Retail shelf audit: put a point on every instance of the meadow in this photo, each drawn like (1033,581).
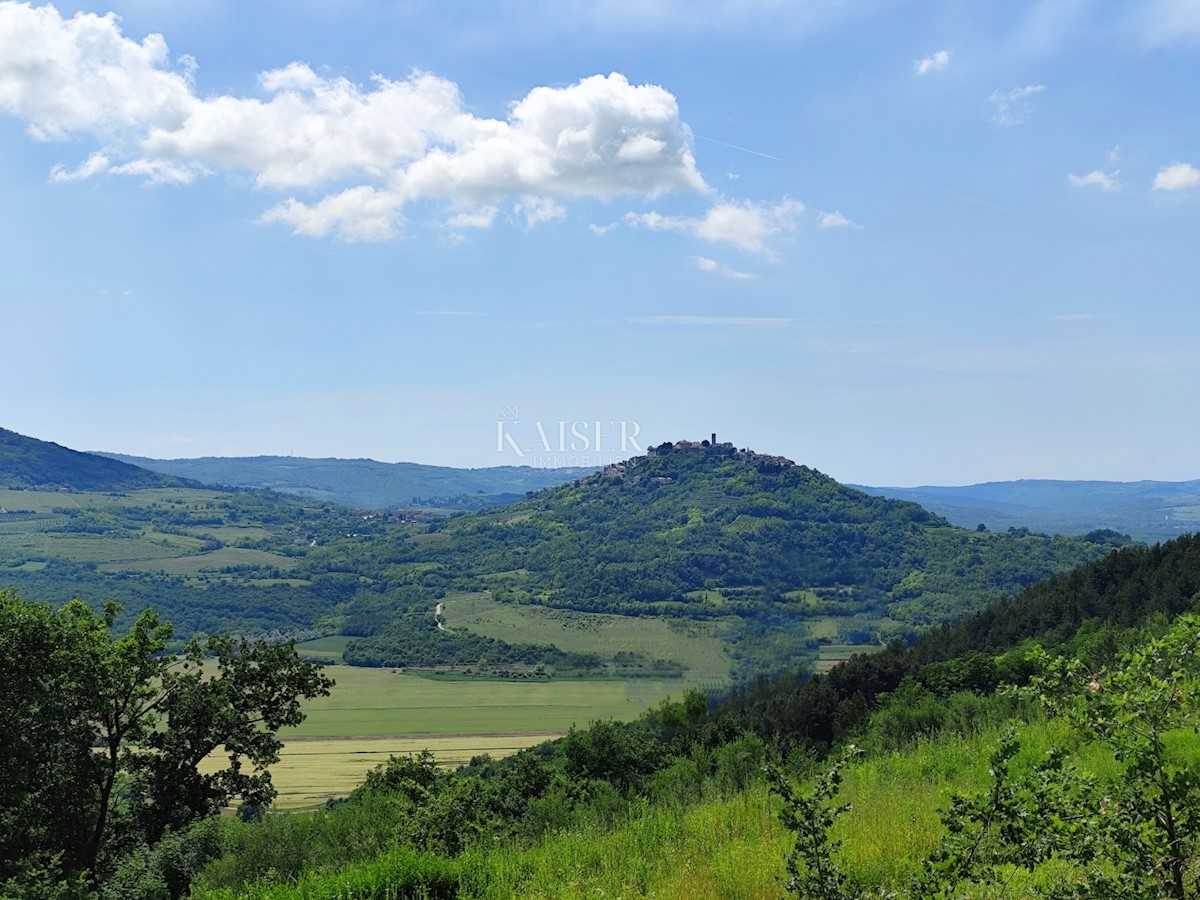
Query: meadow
(695,644)
(373,713)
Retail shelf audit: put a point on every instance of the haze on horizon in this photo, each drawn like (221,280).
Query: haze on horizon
(907,243)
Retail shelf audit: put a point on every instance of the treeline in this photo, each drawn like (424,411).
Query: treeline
(415,639)
(1088,611)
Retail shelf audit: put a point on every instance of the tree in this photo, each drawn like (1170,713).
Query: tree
(104,733)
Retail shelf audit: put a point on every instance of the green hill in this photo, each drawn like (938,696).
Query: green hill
(27,463)
(785,560)
(364,483)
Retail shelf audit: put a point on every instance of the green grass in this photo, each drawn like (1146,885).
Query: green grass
(380,702)
(330,648)
(212,561)
(715,850)
(86,548)
(832,654)
(694,644)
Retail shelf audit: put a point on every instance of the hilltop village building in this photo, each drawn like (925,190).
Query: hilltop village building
(710,446)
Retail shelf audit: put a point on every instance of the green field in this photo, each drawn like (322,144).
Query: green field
(696,645)
(117,552)
(327,648)
(36,526)
(212,561)
(832,654)
(48,501)
(373,713)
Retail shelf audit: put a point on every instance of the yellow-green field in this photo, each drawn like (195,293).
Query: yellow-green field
(372,713)
(312,770)
(694,644)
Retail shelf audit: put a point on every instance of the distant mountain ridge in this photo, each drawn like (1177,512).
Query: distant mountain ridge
(1147,510)
(27,463)
(364,483)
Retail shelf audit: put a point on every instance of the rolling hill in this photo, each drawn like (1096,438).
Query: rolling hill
(774,557)
(28,463)
(364,483)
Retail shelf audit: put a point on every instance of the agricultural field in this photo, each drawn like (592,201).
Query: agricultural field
(179,532)
(695,644)
(373,713)
(211,561)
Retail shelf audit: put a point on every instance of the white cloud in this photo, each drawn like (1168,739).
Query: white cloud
(95,164)
(1114,155)
(1011,107)
(356,214)
(836,220)
(477,218)
(1106,181)
(744,225)
(80,75)
(539,209)
(601,230)
(1177,177)
(381,145)
(704,264)
(934,62)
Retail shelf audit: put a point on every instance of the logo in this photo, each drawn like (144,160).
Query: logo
(565,442)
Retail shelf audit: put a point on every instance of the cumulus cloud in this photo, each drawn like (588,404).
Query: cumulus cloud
(704,264)
(377,146)
(934,62)
(357,214)
(746,226)
(1177,177)
(601,230)
(1106,181)
(1012,107)
(836,220)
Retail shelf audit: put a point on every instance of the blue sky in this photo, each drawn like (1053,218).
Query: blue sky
(902,242)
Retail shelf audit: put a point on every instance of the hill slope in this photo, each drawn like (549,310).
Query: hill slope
(26,462)
(781,554)
(363,483)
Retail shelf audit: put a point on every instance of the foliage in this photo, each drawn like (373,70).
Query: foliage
(812,870)
(104,732)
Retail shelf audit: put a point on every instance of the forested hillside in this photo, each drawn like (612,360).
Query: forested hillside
(364,483)
(26,462)
(767,548)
